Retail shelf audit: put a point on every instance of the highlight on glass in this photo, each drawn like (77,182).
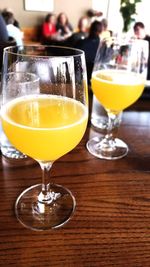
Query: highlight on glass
(118,80)
(45,124)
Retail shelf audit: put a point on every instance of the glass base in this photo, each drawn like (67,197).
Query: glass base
(96,147)
(40,216)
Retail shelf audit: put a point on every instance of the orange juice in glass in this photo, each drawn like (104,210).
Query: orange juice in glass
(117,89)
(50,126)
(45,124)
(118,80)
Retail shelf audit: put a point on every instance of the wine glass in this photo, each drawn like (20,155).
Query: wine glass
(118,80)
(46,125)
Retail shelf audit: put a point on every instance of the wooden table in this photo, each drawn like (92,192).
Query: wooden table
(111,224)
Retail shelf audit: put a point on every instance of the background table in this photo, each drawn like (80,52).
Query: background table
(111,224)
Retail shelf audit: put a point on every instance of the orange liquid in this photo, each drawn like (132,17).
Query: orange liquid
(117,89)
(44,127)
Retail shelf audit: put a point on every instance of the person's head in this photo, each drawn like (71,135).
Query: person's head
(92,13)
(50,18)
(139,30)
(62,19)
(95,29)
(83,24)
(7,9)
(104,24)
(8,17)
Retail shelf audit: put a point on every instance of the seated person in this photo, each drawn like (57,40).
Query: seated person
(5,41)
(94,15)
(90,45)
(49,27)
(16,23)
(105,32)
(63,26)
(3,30)
(12,30)
(81,33)
(140,33)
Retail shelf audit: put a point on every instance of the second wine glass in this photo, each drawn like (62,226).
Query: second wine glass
(117,81)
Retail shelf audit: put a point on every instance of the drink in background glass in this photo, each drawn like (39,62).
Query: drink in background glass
(117,89)
(51,123)
(16,83)
(117,82)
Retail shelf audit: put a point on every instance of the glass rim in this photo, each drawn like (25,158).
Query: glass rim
(8,51)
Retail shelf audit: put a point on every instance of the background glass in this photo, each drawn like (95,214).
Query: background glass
(118,81)
(51,123)
(16,83)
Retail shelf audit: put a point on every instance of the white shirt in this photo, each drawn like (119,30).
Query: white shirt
(15,32)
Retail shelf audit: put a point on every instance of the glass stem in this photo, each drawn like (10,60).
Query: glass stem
(111,119)
(46,193)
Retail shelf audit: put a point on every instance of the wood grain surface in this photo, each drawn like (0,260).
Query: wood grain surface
(111,223)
